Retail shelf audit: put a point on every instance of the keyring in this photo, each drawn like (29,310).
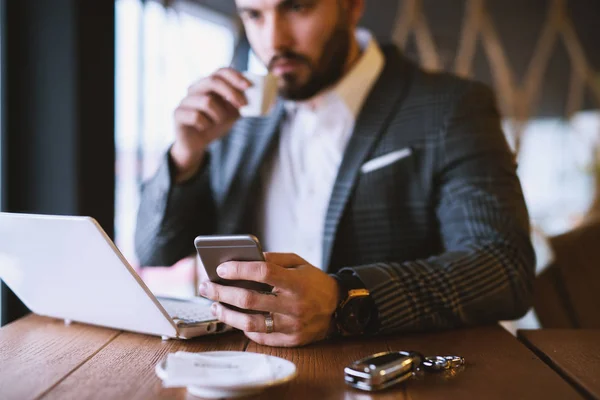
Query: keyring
(442,363)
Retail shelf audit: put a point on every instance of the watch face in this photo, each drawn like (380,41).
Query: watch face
(355,315)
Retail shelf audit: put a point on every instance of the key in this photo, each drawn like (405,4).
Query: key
(382,370)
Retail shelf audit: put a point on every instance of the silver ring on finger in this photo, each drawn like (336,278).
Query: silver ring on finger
(269,323)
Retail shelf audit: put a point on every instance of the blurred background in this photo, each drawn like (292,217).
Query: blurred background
(88,91)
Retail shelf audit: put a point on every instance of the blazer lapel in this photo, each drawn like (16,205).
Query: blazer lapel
(372,121)
(251,144)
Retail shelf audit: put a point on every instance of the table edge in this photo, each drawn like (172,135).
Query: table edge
(522,337)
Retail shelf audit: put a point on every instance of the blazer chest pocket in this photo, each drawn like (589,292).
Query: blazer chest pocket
(389,179)
(385,160)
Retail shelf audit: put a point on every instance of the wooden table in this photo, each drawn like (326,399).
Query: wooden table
(573,353)
(42,358)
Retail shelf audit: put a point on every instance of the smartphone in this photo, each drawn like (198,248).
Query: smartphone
(214,250)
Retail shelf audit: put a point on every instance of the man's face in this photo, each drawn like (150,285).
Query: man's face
(305,43)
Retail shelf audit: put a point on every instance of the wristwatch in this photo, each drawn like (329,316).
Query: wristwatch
(355,313)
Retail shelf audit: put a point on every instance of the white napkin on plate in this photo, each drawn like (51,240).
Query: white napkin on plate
(218,370)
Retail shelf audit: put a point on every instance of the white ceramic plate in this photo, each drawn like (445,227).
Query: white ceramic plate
(284,371)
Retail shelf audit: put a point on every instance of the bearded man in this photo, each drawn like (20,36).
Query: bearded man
(386,196)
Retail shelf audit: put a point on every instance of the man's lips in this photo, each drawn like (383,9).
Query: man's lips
(285,66)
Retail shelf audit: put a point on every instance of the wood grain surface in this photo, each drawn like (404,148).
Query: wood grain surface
(498,367)
(37,352)
(43,358)
(321,370)
(575,354)
(125,368)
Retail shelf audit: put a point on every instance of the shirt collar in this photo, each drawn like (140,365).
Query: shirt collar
(354,87)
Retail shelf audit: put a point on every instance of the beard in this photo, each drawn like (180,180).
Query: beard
(328,70)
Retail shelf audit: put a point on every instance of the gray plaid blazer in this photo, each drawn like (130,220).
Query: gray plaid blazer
(440,236)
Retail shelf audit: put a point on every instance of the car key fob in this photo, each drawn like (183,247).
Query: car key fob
(382,370)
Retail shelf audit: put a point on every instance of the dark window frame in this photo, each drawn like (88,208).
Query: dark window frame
(58,109)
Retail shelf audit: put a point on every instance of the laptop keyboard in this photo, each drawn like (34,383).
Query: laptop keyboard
(188,310)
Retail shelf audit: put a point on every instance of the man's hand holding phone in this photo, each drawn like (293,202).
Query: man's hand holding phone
(301,308)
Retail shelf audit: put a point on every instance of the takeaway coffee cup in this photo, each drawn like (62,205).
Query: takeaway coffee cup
(261,95)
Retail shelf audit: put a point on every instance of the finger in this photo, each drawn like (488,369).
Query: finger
(242,298)
(227,91)
(286,260)
(217,109)
(257,271)
(276,339)
(195,118)
(219,86)
(251,322)
(235,78)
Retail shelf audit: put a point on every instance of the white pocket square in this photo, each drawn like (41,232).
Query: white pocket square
(385,160)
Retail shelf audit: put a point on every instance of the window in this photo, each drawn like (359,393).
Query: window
(160,52)
(557,162)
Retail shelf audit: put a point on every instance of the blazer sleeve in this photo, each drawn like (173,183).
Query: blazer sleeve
(486,271)
(170,216)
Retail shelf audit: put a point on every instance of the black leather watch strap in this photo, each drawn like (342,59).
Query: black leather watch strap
(347,282)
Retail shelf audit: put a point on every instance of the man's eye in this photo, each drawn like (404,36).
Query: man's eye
(251,15)
(298,7)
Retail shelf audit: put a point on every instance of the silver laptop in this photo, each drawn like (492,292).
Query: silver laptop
(68,268)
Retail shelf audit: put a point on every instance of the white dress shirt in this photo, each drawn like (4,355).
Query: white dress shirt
(297,182)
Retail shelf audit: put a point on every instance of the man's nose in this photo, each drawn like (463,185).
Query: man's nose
(277,34)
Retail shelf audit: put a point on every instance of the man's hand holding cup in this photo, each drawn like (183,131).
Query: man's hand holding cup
(210,108)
